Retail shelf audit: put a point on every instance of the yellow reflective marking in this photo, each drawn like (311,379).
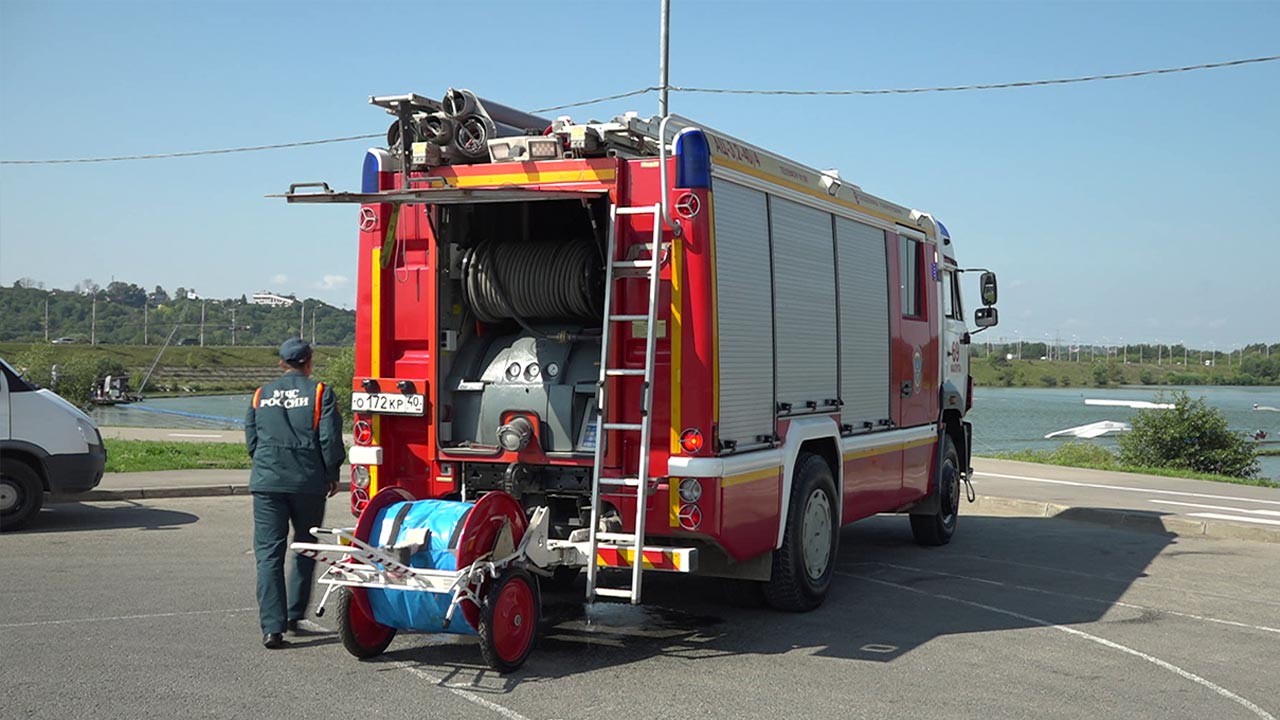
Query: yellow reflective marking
(375,351)
(673,500)
(534,177)
(677,279)
(749,477)
(774,180)
(891,447)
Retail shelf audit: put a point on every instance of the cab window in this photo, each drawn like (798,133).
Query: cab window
(909,274)
(951,297)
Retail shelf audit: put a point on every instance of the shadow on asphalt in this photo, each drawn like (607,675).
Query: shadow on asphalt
(69,517)
(889,597)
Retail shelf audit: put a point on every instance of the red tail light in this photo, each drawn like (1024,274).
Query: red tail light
(691,441)
(362,433)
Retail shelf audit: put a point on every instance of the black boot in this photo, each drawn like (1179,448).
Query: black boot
(271,641)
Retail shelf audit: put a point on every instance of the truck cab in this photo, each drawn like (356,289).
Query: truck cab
(46,445)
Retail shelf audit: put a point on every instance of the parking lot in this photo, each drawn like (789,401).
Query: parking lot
(146,609)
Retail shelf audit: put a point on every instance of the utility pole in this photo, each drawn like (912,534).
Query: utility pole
(233,326)
(46,318)
(145,320)
(664,54)
(302,320)
(93,322)
(313,327)
(202,304)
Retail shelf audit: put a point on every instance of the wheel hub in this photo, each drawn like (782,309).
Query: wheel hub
(816,531)
(8,497)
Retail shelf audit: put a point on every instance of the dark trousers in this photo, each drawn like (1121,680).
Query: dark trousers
(272,514)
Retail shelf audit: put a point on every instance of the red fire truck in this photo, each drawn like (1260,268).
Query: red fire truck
(688,353)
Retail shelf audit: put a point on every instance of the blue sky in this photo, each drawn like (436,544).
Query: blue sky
(1141,209)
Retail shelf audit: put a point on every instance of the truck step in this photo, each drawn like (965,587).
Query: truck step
(624,372)
(620,481)
(628,318)
(637,210)
(627,538)
(613,592)
(634,427)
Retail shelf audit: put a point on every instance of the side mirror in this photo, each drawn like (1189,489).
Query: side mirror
(988,283)
(985,317)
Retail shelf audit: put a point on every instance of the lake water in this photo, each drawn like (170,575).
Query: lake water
(1003,418)
(1018,418)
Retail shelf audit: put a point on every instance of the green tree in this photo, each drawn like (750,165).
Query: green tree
(338,374)
(1101,376)
(1191,436)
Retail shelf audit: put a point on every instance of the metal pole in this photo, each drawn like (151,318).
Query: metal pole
(664,52)
(233,326)
(201,323)
(93,323)
(302,320)
(145,320)
(46,318)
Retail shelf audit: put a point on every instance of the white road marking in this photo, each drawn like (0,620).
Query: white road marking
(467,695)
(1085,598)
(193,435)
(1131,582)
(1237,518)
(126,617)
(1163,664)
(1269,513)
(1128,489)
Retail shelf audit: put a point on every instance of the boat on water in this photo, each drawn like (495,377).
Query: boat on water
(112,390)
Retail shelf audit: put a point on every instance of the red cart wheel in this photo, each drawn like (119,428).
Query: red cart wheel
(509,620)
(479,533)
(361,635)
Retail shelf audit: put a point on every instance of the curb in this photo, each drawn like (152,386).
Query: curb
(1136,520)
(190,491)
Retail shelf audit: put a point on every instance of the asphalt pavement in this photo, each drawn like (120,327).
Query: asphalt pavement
(145,609)
(1163,505)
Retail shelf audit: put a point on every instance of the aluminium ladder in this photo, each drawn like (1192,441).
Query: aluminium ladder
(607,424)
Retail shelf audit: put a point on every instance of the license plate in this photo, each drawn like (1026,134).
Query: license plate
(390,404)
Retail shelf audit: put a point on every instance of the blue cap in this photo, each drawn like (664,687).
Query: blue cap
(295,351)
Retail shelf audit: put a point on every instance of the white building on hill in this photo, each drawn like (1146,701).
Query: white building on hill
(267,298)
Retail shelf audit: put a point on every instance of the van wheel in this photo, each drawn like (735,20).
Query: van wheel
(803,566)
(937,528)
(21,494)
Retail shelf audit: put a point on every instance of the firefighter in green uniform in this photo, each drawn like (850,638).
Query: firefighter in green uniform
(293,430)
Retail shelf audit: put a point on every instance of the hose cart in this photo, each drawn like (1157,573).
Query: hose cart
(417,565)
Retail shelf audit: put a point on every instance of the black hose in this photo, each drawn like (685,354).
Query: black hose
(542,280)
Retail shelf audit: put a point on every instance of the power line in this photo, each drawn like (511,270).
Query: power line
(279,146)
(619,96)
(989,86)
(191,153)
(676,88)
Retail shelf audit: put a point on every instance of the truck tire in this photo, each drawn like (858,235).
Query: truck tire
(937,528)
(21,494)
(804,565)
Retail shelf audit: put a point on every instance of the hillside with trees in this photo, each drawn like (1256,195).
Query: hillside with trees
(127,314)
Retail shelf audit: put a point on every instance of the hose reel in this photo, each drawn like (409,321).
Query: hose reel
(540,280)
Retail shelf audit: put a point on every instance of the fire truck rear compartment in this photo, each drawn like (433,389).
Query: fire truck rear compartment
(521,301)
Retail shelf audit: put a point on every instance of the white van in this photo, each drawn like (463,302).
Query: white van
(46,445)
